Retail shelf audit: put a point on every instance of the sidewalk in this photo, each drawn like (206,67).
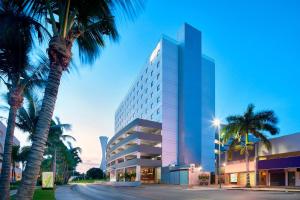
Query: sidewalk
(234,187)
(266,189)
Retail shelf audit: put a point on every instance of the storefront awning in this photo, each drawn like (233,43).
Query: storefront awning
(280,163)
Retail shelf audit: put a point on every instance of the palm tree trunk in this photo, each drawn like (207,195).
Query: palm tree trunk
(6,164)
(247,169)
(58,63)
(54,165)
(247,164)
(13,171)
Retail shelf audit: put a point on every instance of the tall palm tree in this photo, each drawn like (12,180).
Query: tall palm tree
(16,72)
(27,118)
(238,128)
(14,158)
(18,155)
(85,22)
(23,156)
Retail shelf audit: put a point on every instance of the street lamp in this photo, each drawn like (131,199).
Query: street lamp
(217,123)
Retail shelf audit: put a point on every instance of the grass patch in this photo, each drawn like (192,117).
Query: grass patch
(40,194)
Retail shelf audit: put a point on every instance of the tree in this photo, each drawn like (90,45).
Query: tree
(85,22)
(23,156)
(239,127)
(15,157)
(16,72)
(95,173)
(26,121)
(18,155)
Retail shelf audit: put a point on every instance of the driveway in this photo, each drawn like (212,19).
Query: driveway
(163,192)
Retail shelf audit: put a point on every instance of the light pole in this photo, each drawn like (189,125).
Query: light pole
(217,124)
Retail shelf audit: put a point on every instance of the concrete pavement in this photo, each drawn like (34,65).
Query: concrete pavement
(164,192)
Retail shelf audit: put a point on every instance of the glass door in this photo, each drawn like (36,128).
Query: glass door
(291,178)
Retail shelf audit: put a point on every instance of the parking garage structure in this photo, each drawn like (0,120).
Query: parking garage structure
(134,153)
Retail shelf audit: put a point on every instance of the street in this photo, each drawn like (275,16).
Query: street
(163,192)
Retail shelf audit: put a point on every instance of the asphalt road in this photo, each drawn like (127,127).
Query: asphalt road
(164,192)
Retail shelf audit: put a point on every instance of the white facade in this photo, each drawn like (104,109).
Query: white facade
(161,93)
(103,142)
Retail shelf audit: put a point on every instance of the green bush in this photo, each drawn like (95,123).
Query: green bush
(95,173)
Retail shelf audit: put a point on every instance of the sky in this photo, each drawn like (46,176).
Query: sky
(255,45)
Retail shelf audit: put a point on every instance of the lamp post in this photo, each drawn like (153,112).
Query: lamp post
(217,124)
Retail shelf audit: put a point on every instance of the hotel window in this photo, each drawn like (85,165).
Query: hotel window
(146,101)
(151,83)
(142,77)
(152,73)
(146,90)
(141,105)
(151,117)
(157,76)
(157,111)
(151,94)
(151,105)
(158,99)
(157,65)
(158,87)
(146,80)
(146,69)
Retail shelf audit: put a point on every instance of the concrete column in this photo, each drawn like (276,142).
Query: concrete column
(124,174)
(268,179)
(286,177)
(138,173)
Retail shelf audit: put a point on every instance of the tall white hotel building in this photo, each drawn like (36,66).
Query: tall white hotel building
(176,88)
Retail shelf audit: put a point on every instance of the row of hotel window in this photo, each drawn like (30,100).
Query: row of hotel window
(131,97)
(130,104)
(139,113)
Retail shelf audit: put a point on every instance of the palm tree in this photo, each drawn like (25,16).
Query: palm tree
(256,124)
(18,155)
(85,22)
(23,156)
(16,72)
(55,140)
(27,118)
(14,158)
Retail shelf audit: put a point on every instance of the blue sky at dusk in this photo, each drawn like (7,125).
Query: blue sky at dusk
(255,45)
